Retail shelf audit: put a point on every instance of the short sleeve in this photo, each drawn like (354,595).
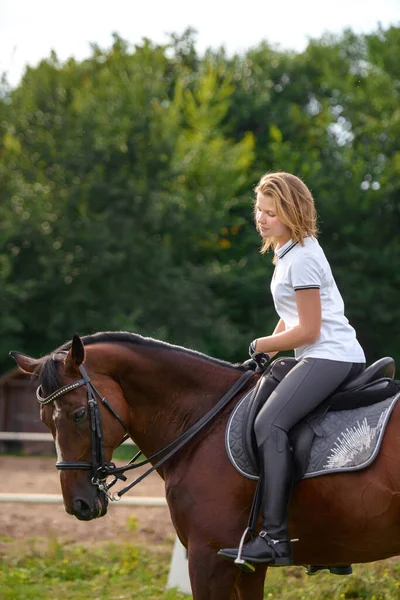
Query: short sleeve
(306,272)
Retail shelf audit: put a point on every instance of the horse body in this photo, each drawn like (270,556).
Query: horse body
(160,390)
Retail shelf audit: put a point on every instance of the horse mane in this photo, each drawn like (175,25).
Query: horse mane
(47,367)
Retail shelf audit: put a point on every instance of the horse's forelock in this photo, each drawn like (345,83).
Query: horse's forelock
(48,373)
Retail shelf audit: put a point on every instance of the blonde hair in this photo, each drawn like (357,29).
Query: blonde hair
(293,203)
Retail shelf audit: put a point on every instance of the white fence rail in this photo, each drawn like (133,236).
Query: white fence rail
(57,499)
(21,436)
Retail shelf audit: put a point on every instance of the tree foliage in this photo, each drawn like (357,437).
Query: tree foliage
(126,189)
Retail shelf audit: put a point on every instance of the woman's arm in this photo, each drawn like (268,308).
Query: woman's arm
(306,332)
(278,329)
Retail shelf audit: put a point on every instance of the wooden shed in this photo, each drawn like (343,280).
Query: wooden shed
(19,413)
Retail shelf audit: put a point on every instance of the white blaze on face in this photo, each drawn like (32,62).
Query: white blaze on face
(56,441)
(58,449)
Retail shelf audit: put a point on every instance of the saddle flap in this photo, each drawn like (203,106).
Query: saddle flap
(273,375)
(305,438)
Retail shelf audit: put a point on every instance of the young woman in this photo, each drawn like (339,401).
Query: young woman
(312,322)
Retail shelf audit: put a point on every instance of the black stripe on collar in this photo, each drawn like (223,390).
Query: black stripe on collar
(288,249)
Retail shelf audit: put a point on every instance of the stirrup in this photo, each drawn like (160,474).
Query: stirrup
(244,564)
(335,570)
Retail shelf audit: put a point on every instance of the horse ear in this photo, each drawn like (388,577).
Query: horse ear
(76,354)
(25,363)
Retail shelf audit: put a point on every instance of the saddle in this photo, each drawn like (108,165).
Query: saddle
(372,391)
(373,385)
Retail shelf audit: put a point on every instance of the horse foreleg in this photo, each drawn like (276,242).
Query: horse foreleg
(210,580)
(250,586)
(213,578)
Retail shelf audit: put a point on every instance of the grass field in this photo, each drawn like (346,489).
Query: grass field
(43,569)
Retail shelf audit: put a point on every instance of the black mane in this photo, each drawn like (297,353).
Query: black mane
(47,369)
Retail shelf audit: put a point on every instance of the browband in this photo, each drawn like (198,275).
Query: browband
(60,392)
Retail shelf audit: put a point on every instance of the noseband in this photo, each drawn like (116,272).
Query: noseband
(100,469)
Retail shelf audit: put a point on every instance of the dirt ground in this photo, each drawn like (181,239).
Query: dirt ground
(37,475)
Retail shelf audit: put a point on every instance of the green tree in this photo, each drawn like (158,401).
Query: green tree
(126,188)
(103,207)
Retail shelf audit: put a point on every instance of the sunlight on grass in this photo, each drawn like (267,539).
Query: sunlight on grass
(38,569)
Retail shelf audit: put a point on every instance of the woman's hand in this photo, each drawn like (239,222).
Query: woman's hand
(260,358)
(252,348)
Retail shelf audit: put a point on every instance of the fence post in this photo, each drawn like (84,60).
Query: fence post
(178,576)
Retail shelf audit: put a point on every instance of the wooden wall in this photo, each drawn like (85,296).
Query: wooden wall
(19,412)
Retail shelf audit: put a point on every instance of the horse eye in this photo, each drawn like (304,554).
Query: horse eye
(79,415)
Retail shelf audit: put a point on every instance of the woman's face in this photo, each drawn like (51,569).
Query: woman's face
(268,223)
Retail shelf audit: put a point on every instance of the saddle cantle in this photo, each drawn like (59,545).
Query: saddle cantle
(341,420)
(382,368)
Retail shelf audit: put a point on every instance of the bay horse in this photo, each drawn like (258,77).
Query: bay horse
(157,391)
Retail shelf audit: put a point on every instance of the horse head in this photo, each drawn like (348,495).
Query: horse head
(76,414)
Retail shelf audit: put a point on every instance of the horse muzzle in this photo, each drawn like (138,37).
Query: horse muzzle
(86,510)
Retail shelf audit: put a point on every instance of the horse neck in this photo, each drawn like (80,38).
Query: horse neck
(168,391)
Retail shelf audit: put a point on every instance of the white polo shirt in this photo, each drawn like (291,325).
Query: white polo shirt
(306,267)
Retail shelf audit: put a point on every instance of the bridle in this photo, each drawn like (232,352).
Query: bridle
(100,469)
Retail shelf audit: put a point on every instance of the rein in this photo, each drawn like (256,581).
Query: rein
(98,466)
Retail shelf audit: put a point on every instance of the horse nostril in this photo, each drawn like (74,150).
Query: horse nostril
(82,509)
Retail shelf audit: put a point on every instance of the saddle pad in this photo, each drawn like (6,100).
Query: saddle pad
(348,440)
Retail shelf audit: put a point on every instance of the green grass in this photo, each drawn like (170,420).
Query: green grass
(33,570)
(126,452)
(42,569)
(375,581)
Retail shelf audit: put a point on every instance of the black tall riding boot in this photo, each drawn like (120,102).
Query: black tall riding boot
(272,545)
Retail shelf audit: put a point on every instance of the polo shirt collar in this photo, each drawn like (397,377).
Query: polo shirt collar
(280,252)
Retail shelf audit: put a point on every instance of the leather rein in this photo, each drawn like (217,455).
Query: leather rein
(100,469)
